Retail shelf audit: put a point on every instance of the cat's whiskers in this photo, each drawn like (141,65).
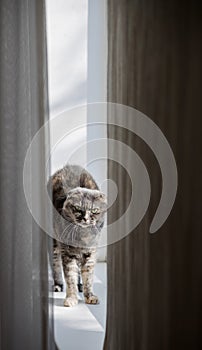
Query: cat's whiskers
(68,229)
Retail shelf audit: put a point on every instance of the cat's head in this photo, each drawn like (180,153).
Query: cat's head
(84,207)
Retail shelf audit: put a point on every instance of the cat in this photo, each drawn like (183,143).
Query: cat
(78,219)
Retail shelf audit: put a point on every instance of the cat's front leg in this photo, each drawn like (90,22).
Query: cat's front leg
(87,272)
(71,277)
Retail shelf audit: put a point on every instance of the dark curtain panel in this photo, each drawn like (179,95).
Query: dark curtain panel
(155,281)
(25,314)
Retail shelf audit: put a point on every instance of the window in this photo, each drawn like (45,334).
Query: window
(77,69)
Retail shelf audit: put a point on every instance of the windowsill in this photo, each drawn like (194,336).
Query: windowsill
(82,326)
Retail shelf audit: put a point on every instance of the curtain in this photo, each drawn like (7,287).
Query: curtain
(155,280)
(26,317)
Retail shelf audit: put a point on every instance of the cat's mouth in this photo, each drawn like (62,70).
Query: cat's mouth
(86,224)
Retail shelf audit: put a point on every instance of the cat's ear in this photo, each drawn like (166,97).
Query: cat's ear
(103,197)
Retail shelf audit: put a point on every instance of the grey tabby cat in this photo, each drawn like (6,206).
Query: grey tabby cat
(78,220)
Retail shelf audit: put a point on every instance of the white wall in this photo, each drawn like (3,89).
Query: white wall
(97,91)
(67,29)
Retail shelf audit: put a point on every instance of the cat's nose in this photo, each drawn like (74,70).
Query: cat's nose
(87,217)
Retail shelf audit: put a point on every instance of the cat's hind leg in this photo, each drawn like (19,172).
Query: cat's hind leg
(80,285)
(57,267)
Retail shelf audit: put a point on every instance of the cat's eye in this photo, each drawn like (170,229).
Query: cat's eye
(77,207)
(95,210)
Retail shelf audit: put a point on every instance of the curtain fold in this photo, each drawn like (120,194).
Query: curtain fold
(26,318)
(155,281)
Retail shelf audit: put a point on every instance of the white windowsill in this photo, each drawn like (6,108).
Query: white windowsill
(82,326)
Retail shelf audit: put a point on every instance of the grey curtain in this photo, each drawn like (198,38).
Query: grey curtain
(155,281)
(26,317)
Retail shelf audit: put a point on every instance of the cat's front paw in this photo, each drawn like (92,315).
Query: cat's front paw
(91,299)
(70,301)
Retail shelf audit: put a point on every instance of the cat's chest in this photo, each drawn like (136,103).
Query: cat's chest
(81,256)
